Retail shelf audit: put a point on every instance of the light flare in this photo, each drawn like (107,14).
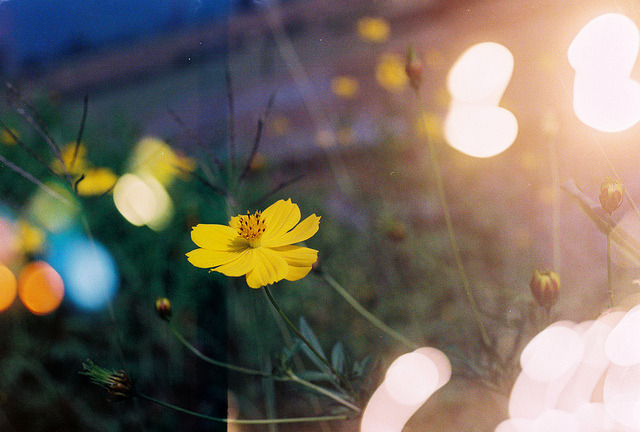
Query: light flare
(603,54)
(475,124)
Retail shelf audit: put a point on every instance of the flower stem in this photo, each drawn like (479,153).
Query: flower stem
(321,390)
(290,375)
(239,421)
(452,238)
(609,276)
(365,313)
(214,362)
(304,339)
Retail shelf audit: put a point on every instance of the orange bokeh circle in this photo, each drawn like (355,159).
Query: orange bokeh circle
(40,288)
(8,288)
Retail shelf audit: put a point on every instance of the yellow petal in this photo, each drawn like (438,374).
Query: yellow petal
(269,268)
(240,266)
(301,232)
(297,255)
(296,273)
(205,258)
(218,237)
(279,218)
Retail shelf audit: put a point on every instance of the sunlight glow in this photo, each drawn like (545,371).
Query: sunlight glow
(597,395)
(622,346)
(410,380)
(40,288)
(475,124)
(551,353)
(603,54)
(8,288)
(143,201)
(88,270)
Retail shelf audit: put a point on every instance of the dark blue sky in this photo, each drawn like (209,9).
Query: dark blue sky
(41,29)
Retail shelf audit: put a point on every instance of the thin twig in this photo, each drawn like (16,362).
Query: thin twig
(83,120)
(232,132)
(26,148)
(258,137)
(213,187)
(192,135)
(321,390)
(278,188)
(214,362)
(34,180)
(462,274)
(365,313)
(239,421)
(31,117)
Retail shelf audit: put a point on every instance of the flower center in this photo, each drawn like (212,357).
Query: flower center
(251,228)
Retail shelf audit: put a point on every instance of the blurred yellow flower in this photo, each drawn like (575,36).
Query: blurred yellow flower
(344,86)
(259,246)
(154,157)
(96,181)
(75,163)
(31,238)
(7,136)
(390,73)
(373,29)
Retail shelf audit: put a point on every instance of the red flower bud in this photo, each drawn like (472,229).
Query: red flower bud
(611,195)
(163,308)
(545,288)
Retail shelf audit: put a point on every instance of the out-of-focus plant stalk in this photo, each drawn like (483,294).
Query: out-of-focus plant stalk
(462,274)
(209,360)
(321,390)
(365,313)
(241,421)
(609,283)
(289,377)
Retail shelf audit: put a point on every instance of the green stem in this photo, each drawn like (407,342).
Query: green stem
(238,421)
(214,362)
(321,390)
(452,238)
(609,276)
(304,339)
(365,313)
(290,375)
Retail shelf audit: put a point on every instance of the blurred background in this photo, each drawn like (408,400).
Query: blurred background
(173,85)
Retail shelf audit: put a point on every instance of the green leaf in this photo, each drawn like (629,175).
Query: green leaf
(338,357)
(308,334)
(314,376)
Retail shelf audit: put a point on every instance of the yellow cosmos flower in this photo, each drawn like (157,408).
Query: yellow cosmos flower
(260,245)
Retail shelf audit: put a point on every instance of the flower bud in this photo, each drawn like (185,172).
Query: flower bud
(611,194)
(163,308)
(413,68)
(545,288)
